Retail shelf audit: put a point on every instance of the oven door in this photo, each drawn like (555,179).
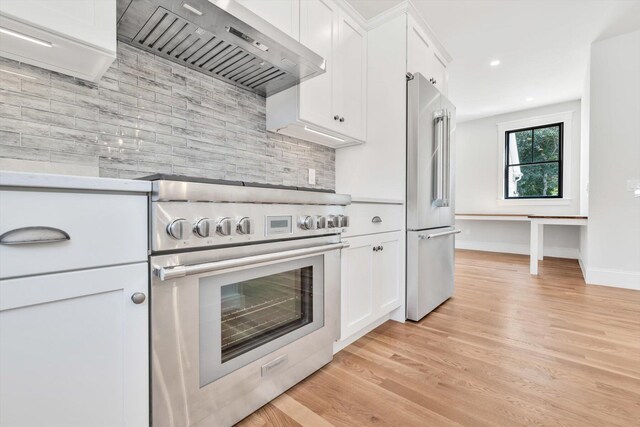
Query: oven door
(230,326)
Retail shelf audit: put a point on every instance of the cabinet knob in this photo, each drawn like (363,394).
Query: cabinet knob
(138,298)
(336,117)
(341,119)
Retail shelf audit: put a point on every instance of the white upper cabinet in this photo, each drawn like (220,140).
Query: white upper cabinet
(419,51)
(329,109)
(283,14)
(424,58)
(77,38)
(351,67)
(317,32)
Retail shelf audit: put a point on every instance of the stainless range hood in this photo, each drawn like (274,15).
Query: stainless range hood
(219,38)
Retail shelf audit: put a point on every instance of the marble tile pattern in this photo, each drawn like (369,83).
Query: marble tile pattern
(148,115)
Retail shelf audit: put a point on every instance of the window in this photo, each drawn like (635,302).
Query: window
(533,162)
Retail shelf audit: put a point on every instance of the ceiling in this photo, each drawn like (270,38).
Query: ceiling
(542,46)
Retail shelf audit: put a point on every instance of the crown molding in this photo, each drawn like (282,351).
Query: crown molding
(346,6)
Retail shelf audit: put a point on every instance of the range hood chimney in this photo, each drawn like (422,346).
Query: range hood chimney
(220,38)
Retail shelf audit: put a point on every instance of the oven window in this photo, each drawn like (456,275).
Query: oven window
(249,313)
(256,311)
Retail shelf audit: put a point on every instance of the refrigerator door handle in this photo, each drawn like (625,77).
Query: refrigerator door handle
(447,158)
(434,235)
(438,170)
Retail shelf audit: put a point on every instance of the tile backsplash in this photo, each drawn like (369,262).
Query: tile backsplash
(148,115)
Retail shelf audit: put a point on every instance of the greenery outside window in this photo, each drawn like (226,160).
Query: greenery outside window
(533,162)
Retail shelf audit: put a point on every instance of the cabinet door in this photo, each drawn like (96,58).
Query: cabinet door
(318,20)
(387,273)
(420,52)
(439,73)
(91,22)
(283,14)
(357,292)
(351,77)
(74,349)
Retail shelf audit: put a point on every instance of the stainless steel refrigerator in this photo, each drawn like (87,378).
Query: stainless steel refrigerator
(430,200)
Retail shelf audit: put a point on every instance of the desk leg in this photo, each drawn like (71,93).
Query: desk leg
(533,250)
(540,242)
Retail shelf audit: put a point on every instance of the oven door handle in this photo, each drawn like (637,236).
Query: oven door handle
(168,273)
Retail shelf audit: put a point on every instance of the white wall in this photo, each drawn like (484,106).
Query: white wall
(584,167)
(477,182)
(613,233)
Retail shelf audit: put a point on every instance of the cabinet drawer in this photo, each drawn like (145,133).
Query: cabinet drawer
(388,217)
(103,229)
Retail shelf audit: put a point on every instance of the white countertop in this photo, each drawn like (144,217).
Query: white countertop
(68,182)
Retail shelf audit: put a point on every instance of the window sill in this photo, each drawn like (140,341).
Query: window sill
(534,202)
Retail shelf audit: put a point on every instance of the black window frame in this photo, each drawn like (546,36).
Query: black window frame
(560,160)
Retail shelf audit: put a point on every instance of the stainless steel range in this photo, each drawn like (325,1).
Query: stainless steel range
(244,295)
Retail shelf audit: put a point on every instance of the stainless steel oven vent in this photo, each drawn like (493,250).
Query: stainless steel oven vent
(221,39)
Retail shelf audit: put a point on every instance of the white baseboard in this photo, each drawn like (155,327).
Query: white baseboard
(511,248)
(339,345)
(613,278)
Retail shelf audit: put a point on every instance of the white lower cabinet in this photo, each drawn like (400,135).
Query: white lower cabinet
(371,280)
(74,314)
(74,349)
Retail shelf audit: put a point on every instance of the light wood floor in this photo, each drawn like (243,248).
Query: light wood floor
(508,349)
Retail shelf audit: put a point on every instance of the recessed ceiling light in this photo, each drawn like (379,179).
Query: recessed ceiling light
(529,99)
(494,63)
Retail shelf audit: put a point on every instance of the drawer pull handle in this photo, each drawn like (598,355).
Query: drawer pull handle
(376,219)
(33,235)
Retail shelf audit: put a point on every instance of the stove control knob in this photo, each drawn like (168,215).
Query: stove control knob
(332,221)
(321,222)
(223,227)
(343,221)
(245,226)
(178,228)
(204,227)
(307,223)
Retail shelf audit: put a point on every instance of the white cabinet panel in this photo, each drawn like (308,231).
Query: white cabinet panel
(317,30)
(103,229)
(419,51)
(357,307)
(387,272)
(77,38)
(74,349)
(329,109)
(350,97)
(283,14)
(440,74)
(88,21)
(423,57)
(372,280)
(373,218)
